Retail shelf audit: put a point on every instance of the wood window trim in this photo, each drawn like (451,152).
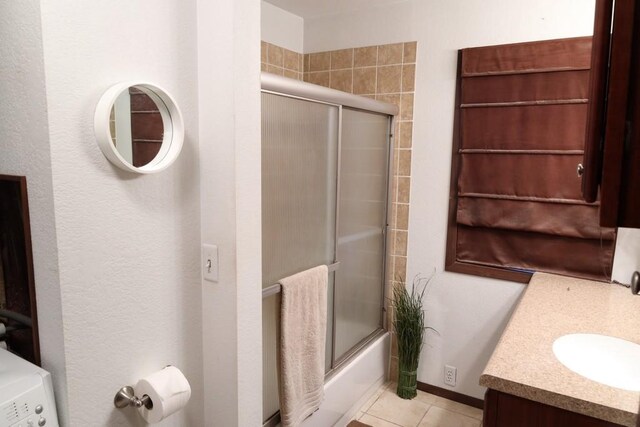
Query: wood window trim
(451,263)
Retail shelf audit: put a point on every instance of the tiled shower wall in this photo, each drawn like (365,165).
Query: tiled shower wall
(278,60)
(385,73)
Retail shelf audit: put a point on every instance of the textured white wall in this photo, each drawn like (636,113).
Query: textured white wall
(281,27)
(24,150)
(128,245)
(469,312)
(229,104)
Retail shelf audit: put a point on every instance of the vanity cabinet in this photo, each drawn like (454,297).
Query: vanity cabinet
(506,410)
(612,146)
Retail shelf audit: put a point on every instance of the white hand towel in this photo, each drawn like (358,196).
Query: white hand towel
(303,326)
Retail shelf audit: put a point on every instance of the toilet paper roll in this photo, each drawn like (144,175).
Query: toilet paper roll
(169,391)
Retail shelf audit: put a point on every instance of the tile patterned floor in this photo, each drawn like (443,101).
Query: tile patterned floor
(386,409)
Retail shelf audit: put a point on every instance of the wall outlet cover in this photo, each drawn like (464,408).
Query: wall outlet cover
(450,373)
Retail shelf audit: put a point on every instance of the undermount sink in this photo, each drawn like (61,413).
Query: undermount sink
(611,361)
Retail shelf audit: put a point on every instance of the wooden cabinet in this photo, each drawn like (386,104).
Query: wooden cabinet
(505,410)
(612,147)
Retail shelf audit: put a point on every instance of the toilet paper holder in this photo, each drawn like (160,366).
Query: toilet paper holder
(126,397)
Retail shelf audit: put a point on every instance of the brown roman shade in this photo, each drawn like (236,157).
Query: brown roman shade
(516,203)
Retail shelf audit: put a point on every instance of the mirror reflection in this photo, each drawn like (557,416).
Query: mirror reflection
(137,125)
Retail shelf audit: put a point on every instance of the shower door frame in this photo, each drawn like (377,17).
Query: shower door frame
(289,88)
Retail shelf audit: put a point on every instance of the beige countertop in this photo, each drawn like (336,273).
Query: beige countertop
(523,363)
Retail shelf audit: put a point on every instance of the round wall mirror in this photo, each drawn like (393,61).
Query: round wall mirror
(139,127)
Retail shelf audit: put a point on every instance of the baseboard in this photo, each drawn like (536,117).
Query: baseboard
(451,395)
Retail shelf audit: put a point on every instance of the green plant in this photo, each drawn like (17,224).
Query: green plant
(408,324)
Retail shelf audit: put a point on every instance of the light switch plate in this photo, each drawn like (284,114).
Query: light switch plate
(210,262)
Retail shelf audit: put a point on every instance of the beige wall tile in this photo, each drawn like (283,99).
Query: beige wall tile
(394,186)
(410,52)
(318,78)
(306,63)
(404,165)
(320,61)
(401,243)
(402,217)
(263,66)
(408,77)
(390,54)
(341,59)
(404,185)
(391,243)
(342,80)
(364,80)
(365,56)
(391,99)
(263,51)
(400,267)
(275,70)
(275,55)
(389,79)
(405,135)
(291,60)
(406,106)
(291,74)
(394,345)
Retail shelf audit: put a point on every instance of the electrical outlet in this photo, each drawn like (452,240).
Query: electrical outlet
(450,375)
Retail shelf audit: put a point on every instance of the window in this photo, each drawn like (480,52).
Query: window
(516,204)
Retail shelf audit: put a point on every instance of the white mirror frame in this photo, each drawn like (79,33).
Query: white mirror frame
(171,119)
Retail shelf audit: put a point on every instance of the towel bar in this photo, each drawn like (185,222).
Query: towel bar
(276,288)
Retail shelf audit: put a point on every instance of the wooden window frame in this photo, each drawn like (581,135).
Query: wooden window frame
(458,263)
(451,263)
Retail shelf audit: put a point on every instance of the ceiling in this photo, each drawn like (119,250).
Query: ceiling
(315,8)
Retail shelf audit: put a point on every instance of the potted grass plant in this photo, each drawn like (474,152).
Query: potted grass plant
(408,324)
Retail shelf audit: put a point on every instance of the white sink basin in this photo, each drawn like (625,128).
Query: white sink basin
(611,361)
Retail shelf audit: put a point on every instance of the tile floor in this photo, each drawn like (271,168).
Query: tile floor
(386,409)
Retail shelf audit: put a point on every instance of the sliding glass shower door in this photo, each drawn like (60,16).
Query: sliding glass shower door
(361,227)
(324,198)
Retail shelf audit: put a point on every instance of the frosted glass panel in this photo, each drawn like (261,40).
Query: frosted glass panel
(299,162)
(362,205)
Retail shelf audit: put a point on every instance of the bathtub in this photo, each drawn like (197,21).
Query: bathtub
(353,385)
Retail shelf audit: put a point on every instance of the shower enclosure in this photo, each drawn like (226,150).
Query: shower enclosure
(325,180)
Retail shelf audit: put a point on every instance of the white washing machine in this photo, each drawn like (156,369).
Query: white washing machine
(26,394)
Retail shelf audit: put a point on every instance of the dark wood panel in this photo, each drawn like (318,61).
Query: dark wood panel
(17,260)
(505,410)
(616,115)
(597,95)
(629,212)
(524,57)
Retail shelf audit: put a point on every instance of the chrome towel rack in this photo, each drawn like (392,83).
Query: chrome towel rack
(277,288)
